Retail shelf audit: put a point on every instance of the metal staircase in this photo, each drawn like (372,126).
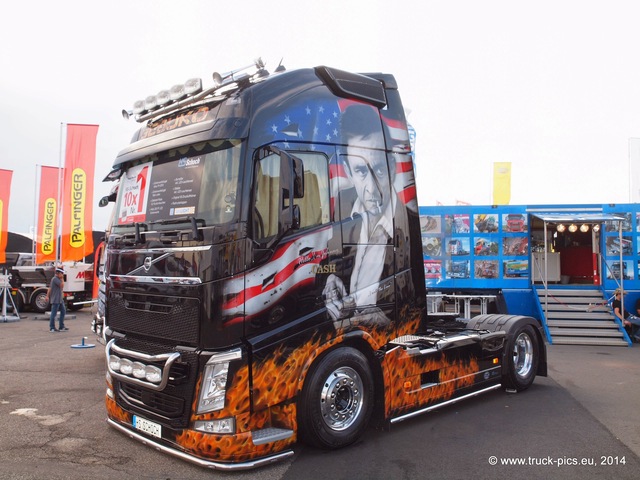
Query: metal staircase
(579,317)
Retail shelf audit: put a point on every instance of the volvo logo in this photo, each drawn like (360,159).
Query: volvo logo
(147,264)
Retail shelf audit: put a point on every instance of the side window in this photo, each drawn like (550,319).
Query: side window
(314,206)
(266,197)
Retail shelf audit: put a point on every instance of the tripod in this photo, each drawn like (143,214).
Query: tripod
(5,288)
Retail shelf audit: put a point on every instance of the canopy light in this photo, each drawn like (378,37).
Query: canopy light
(584,228)
(561,228)
(596,228)
(573,228)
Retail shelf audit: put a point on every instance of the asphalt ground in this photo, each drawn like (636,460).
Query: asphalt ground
(580,422)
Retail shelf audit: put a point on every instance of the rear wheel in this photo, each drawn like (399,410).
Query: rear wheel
(39,302)
(337,400)
(522,358)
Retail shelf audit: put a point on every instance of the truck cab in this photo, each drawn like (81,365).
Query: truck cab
(264,278)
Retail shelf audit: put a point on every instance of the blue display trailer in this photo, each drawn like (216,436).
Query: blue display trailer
(519,253)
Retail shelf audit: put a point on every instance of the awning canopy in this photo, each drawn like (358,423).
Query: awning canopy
(579,217)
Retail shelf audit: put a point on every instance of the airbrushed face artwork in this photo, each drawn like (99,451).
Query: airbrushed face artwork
(367,170)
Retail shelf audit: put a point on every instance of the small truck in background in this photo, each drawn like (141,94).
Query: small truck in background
(29,284)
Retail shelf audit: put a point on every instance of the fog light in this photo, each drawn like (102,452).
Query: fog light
(114,363)
(153,374)
(138,370)
(224,425)
(126,366)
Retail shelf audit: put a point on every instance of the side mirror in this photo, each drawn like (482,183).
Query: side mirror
(297,169)
(104,201)
(292,187)
(292,174)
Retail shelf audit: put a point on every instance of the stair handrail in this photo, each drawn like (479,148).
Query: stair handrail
(544,281)
(543,312)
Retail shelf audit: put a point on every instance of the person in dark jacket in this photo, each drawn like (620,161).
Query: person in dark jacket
(56,299)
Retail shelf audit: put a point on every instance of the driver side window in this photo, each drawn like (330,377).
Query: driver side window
(314,205)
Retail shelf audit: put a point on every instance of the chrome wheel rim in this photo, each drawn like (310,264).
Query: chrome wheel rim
(41,302)
(341,398)
(523,355)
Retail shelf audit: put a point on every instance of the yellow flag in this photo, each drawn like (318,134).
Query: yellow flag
(501,183)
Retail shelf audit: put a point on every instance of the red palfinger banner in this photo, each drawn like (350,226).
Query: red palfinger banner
(5,193)
(77,192)
(48,211)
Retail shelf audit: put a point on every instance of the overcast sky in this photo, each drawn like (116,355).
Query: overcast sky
(551,86)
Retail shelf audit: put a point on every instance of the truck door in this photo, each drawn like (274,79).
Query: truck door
(296,248)
(292,237)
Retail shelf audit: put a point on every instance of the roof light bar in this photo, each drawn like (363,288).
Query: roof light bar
(191,87)
(191,91)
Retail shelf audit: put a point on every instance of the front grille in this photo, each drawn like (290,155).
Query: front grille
(174,319)
(157,402)
(171,406)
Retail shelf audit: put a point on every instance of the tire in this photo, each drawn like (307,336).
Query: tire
(38,302)
(522,357)
(337,399)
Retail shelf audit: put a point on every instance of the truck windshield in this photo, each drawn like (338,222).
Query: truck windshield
(200,181)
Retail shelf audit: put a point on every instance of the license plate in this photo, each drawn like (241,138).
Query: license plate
(144,425)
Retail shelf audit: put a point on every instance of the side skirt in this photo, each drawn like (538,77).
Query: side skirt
(443,404)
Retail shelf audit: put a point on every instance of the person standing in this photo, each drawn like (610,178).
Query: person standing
(630,322)
(56,299)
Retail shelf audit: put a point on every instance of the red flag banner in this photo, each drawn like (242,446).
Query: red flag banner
(5,193)
(48,211)
(77,192)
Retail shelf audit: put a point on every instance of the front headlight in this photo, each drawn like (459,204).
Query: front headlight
(214,381)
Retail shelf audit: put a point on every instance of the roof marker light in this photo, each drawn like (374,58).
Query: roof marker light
(193,86)
(163,97)
(138,107)
(177,92)
(151,102)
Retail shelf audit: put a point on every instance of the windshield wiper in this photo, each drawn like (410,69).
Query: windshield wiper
(138,238)
(196,233)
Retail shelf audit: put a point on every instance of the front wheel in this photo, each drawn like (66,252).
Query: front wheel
(522,359)
(337,399)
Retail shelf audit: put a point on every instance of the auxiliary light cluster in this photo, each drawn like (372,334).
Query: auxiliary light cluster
(138,370)
(191,91)
(190,88)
